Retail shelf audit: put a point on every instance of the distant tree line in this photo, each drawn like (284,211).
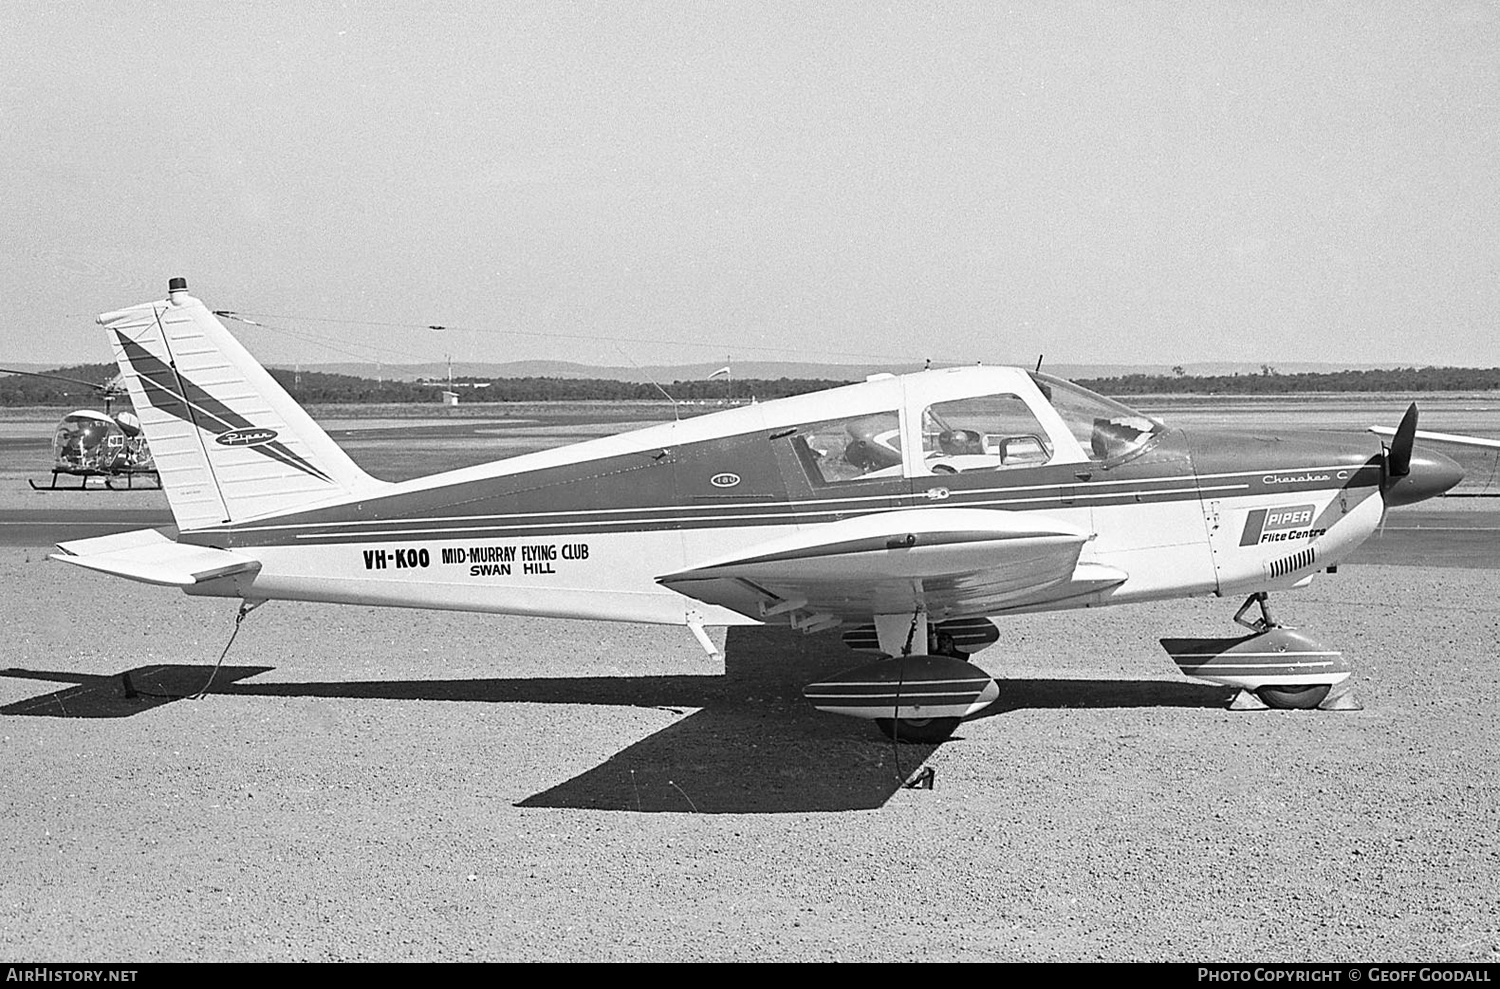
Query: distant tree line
(1272,382)
(23,389)
(318,388)
(602,389)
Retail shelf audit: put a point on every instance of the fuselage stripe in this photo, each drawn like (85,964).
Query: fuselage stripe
(435,528)
(605,520)
(1063,491)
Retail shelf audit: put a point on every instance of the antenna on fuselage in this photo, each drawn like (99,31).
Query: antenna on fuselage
(675,414)
(1039,363)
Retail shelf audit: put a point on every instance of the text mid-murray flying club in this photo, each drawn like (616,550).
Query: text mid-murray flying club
(913,512)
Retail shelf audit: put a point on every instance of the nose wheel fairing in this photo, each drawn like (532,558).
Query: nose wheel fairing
(1274,657)
(1274,666)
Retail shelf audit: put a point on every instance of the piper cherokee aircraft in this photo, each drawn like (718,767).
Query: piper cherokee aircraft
(910,510)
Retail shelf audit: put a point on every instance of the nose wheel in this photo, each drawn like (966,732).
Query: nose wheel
(930,731)
(1274,666)
(1294,698)
(1284,696)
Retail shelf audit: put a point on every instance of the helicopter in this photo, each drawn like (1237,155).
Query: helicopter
(88,443)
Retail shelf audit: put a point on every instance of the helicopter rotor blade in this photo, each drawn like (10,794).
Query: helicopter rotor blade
(102,387)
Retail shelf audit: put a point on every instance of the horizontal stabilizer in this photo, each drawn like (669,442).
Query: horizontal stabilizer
(150,557)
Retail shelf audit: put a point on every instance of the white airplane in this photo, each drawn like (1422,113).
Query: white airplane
(910,510)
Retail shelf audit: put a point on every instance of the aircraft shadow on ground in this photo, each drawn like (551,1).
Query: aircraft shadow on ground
(754,745)
(121,695)
(1019,695)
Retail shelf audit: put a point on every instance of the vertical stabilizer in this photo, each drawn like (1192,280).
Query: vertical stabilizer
(229,442)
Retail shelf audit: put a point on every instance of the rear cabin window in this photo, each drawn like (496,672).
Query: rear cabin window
(988,432)
(860,448)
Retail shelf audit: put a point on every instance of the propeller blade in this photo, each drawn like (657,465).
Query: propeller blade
(1398,460)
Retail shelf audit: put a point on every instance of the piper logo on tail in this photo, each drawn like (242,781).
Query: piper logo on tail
(245,437)
(180,397)
(1270,525)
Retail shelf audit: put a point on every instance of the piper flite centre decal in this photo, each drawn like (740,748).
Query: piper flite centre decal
(1274,525)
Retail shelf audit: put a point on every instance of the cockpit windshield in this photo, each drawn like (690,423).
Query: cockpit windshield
(1105,429)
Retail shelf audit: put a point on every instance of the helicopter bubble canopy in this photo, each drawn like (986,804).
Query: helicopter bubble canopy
(86,440)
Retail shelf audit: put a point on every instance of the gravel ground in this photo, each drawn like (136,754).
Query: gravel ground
(378,784)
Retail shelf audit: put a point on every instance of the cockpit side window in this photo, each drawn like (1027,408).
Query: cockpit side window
(987,432)
(1106,429)
(837,451)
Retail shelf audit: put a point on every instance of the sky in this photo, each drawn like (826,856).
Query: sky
(615,183)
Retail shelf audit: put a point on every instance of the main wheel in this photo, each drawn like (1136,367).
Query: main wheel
(1299,698)
(927,730)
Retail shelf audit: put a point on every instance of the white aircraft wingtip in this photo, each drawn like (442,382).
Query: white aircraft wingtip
(1423,434)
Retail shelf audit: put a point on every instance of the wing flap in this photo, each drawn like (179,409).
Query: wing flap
(150,557)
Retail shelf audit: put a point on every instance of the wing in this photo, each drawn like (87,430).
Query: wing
(948,562)
(1423,434)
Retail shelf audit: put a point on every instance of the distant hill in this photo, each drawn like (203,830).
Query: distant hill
(745,370)
(769,370)
(772,370)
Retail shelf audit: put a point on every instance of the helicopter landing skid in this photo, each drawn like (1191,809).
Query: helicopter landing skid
(109,479)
